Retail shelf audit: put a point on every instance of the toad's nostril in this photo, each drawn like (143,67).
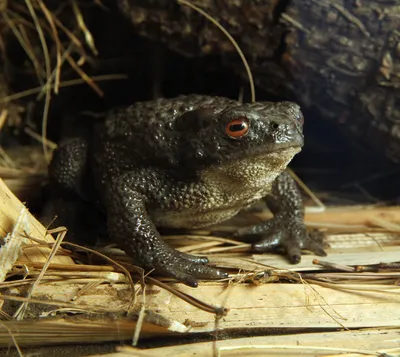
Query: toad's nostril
(274,125)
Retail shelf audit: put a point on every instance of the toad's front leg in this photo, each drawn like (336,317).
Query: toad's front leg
(286,230)
(130,225)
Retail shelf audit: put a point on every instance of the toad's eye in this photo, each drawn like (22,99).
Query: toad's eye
(237,128)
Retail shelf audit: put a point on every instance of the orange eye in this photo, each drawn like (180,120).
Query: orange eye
(237,128)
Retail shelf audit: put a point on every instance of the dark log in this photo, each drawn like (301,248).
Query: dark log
(341,57)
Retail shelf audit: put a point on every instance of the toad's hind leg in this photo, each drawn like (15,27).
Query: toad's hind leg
(69,201)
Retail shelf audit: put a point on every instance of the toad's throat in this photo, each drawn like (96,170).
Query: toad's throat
(254,172)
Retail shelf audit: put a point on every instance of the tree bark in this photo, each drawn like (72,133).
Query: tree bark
(340,56)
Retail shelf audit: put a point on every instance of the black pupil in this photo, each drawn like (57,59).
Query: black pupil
(237,127)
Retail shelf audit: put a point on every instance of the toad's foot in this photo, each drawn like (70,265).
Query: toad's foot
(186,268)
(285,233)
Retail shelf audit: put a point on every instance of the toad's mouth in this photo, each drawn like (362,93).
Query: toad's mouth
(279,156)
(295,142)
(292,148)
(284,148)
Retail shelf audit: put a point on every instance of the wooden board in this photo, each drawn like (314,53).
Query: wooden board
(70,330)
(285,306)
(340,344)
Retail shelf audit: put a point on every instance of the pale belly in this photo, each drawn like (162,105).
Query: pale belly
(191,220)
(202,215)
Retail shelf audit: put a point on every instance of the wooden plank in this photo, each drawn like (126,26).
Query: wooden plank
(69,330)
(370,342)
(345,249)
(355,215)
(251,306)
(284,306)
(389,255)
